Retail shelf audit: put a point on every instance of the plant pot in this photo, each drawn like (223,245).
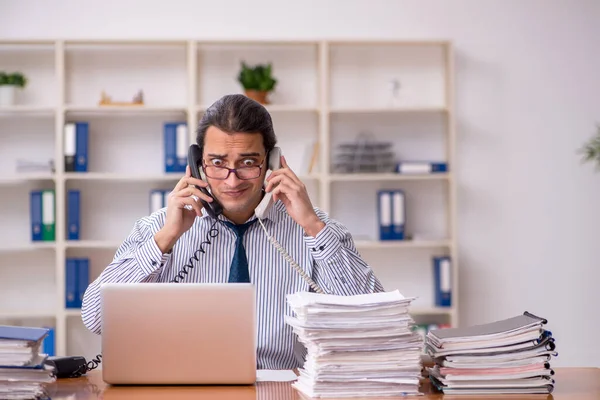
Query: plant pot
(7,95)
(258,95)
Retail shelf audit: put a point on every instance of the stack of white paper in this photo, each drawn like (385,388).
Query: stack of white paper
(357,346)
(503,357)
(22,370)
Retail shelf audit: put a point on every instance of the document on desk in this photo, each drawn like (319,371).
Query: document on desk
(361,345)
(275,375)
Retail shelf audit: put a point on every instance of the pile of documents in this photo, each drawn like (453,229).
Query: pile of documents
(511,356)
(357,346)
(23,374)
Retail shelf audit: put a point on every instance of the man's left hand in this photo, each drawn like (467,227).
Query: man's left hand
(288,188)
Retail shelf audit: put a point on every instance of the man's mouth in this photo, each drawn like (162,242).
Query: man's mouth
(234,193)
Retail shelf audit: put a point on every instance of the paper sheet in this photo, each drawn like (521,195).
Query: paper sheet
(275,375)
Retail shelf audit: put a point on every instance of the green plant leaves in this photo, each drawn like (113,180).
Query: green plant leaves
(591,150)
(258,77)
(15,78)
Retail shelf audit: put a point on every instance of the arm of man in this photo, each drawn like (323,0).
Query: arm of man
(138,259)
(338,268)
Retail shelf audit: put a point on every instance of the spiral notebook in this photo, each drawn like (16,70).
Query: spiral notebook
(498,329)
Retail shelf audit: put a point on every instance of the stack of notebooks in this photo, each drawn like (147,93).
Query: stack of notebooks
(511,356)
(357,346)
(23,373)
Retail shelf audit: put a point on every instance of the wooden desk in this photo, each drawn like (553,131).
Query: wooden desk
(571,383)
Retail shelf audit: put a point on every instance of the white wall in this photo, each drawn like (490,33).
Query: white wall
(528,95)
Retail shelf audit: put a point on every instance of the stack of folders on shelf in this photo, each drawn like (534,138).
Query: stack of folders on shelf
(357,346)
(23,373)
(177,141)
(76,137)
(392,214)
(77,276)
(511,356)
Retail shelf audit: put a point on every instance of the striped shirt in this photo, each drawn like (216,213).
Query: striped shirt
(330,259)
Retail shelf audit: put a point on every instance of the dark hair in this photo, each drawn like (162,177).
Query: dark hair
(238,113)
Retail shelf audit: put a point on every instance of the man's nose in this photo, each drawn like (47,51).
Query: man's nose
(232,180)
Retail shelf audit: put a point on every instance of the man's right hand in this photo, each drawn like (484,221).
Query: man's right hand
(179,219)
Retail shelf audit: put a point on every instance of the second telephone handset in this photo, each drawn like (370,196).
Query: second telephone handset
(214,208)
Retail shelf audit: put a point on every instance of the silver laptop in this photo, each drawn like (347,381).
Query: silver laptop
(178,333)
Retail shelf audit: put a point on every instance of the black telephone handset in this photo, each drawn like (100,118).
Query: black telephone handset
(213,208)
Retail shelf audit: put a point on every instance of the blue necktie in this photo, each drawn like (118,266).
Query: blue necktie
(238,271)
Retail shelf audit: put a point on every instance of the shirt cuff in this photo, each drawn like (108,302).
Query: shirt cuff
(326,244)
(150,258)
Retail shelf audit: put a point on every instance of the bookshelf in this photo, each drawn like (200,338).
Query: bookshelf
(328,92)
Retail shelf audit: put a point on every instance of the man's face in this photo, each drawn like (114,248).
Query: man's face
(234,151)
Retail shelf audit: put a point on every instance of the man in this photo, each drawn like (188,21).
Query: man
(180,242)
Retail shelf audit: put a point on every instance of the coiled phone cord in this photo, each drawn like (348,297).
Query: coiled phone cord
(87,367)
(289,259)
(212,233)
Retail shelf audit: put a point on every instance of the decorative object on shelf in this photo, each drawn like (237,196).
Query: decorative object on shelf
(9,82)
(365,155)
(138,100)
(591,150)
(257,81)
(395,93)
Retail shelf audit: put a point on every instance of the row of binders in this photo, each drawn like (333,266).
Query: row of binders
(176,144)
(42,212)
(77,279)
(391,209)
(76,146)
(24,372)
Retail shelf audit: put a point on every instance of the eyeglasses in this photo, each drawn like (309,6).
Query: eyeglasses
(222,173)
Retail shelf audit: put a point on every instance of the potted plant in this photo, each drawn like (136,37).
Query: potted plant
(257,81)
(591,150)
(9,82)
